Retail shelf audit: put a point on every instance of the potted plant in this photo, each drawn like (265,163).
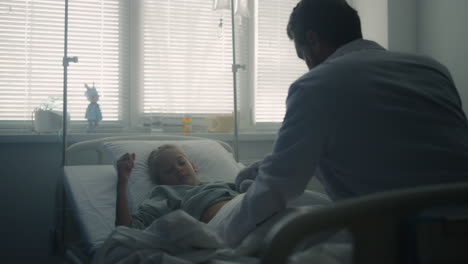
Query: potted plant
(46,119)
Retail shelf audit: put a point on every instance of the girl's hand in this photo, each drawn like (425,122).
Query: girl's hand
(125,166)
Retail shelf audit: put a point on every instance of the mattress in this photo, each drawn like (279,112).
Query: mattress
(91,193)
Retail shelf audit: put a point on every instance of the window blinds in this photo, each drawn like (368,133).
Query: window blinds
(32,42)
(277,63)
(187,58)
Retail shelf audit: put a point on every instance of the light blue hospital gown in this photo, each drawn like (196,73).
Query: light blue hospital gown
(194,200)
(93,112)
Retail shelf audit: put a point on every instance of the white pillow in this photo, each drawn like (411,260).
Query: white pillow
(213,161)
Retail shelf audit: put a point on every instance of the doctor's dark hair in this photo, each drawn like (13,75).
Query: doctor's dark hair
(153,158)
(334,21)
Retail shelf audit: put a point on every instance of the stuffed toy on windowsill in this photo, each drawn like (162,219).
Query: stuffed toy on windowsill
(93,112)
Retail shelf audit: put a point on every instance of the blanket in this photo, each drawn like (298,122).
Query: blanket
(178,238)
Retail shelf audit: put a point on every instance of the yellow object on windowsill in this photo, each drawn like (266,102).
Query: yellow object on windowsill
(187,125)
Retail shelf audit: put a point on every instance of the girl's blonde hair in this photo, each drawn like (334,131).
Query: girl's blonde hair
(153,158)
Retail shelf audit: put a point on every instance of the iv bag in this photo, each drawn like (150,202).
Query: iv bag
(242,8)
(221,4)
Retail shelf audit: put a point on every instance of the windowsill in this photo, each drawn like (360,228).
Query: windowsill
(77,137)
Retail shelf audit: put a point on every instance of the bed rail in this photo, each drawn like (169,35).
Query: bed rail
(379,226)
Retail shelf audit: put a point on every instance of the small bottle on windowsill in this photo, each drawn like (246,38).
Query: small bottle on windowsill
(187,124)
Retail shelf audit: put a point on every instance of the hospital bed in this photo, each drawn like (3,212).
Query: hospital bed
(382,228)
(88,199)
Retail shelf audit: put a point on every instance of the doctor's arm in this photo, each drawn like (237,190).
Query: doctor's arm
(284,174)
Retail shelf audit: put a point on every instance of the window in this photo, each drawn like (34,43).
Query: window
(277,63)
(187,58)
(146,57)
(31,41)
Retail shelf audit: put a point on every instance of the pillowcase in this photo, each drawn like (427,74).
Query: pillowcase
(213,162)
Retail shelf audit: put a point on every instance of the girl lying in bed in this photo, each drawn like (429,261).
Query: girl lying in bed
(177,187)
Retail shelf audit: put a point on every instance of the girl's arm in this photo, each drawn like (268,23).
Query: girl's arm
(124,168)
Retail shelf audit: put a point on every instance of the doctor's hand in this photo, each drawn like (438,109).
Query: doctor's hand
(125,166)
(247,176)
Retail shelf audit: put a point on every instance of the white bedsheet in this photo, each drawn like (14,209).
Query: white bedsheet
(172,239)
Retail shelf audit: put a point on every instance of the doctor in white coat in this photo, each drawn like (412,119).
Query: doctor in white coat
(362,120)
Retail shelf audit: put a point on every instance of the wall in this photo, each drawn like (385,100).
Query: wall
(374,22)
(391,23)
(29,172)
(402,25)
(442,34)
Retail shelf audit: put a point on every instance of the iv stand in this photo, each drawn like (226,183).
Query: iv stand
(66,61)
(235,67)
(59,232)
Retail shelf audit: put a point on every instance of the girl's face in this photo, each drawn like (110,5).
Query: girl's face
(175,169)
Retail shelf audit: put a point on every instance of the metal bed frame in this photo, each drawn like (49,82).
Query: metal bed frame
(387,228)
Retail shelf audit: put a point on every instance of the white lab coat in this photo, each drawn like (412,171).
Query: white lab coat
(363,121)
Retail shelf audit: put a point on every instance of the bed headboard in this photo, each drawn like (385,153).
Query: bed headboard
(90,153)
